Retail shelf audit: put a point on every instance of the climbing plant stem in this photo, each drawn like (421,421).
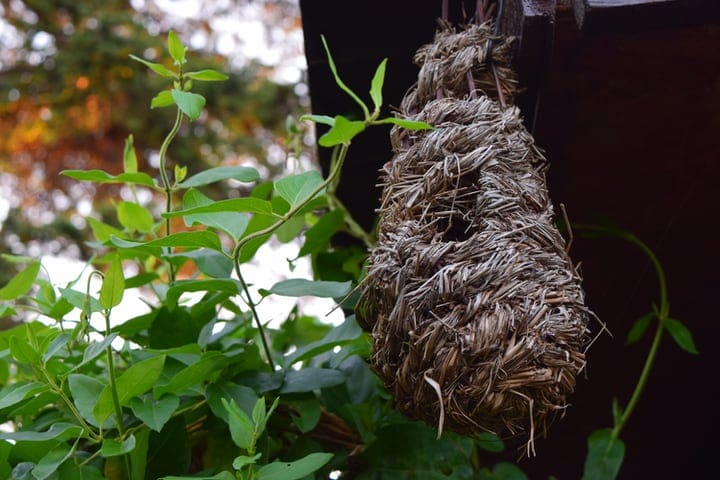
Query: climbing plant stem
(337,164)
(256,317)
(167,187)
(662,312)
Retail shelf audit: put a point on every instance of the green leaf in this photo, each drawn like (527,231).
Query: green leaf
(21,283)
(59,309)
(605,456)
(158,68)
(79,299)
(243,460)
(172,328)
(300,287)
(212,175)
(5,469)
(306,413)
(638,329)
(318,236)
(56,346)
(17,259)
(23,352)
(412,125)
(339,82)
(129,157)
(155,413)
(162,99)
(207,76)
(410,450)
(227,285)
(376,85)
(176,48)
(294,470)
(85,392)
(195,374)
(347,332)
(136,380)
(113,286)
(257,223)
(288,231)
(508,471)
(169,452)
(114,448)
(102,231)
(241,427)
(489,442)
(243,396)
(198,239)
(99,176)
(191,104)
(232,223)
(138,456)
(211,263)
(309,379)
(134,217)
(296,188)
(17,392)
(681,334)
(94,349)
(22,471)
(342,132)
(220,476)
(73,471)
(323,119)
(140,280)
(58,431)
(180,173)
(247,204)
(50,462)
(258,414)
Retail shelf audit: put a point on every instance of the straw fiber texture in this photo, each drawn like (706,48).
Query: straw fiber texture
(477,314)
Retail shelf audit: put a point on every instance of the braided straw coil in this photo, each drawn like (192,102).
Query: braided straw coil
(476,311)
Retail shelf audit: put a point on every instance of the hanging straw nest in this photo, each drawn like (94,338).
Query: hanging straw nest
(476,311)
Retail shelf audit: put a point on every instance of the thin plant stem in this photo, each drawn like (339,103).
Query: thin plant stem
(353,228)
(332,176)
(166,180)
(71,406)
(295,209)
(113,379)
(255,315)
(662,314)
(114,392)
(642,381)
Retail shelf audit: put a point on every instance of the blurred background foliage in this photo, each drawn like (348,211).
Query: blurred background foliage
(70,96)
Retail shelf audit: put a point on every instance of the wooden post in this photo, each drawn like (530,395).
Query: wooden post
(533,23)
(634,15)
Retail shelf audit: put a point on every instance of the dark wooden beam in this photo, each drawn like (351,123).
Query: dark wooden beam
(633,15)
(533,23)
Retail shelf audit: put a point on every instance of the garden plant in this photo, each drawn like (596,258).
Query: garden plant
(207,389)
